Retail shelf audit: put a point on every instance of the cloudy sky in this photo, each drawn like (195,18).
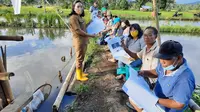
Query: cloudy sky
(186,1)
(181,1)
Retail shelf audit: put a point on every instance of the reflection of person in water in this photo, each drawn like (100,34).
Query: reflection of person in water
(80,37)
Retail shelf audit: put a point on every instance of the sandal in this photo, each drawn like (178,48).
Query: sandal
(119,77)
(112,60)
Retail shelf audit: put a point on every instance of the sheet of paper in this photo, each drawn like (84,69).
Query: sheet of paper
(16,6)
(94,15)
(117,51)
(95,26)
(138,90)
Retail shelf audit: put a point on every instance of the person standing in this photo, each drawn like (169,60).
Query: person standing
(94,7)
(80,37)
(94,10)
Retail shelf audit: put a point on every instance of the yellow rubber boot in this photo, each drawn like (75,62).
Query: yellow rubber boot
(79,75)
(84,74)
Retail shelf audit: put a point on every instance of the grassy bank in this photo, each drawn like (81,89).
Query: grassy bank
(180,29)
(165,15)
(126,14)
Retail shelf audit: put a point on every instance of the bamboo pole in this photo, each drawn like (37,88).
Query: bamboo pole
(6,85)
(63,89)
(157,21)
(12,38)
(6,75)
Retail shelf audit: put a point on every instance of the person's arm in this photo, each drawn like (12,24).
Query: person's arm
(74,24)
(83,33)
(132,54)
(170,103)
(148,73)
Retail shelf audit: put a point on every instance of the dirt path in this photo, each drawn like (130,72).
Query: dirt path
(98,94)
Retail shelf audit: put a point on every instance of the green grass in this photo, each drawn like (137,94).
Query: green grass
(180,29)
(130,14)
(82,88)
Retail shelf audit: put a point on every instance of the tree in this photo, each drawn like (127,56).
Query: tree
(140,3)
(123,4)
(164,4)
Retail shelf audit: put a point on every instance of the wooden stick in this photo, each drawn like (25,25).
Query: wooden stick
(63,89)
(157,22)
(4,58)
(12,38)
(6,85)
(6,75)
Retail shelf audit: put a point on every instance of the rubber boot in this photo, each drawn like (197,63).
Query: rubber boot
(79,75)
(84,74)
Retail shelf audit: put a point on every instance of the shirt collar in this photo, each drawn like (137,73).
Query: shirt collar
(154,46)
(177,72)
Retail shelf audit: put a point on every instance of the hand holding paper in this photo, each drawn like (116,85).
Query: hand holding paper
(136,88)
(117,51)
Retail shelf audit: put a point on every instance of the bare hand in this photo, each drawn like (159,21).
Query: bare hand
(141,73)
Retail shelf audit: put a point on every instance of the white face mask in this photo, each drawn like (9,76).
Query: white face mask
(171,67)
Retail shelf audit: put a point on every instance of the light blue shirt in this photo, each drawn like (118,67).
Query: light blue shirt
(178,86)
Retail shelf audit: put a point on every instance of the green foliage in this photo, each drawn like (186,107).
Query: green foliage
(196,95)
(81,88)
(180,29)
(140,3)
(123,4)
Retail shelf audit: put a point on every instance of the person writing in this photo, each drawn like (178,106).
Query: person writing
(175,83)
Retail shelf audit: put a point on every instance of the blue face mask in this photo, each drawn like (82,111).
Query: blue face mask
(171,67)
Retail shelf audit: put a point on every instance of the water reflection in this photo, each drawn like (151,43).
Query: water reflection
(166,22)
(191,49)
(36,60)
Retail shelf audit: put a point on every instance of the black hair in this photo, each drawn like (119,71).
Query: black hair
(127,23)
(155,31)
(115,16)
(73,6)
(138,28)
(95,2)
(106,5)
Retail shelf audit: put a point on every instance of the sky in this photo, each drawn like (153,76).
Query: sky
(181,1)
(186,1)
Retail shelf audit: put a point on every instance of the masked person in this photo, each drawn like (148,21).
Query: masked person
(80,37)
(134,43)
(175,83)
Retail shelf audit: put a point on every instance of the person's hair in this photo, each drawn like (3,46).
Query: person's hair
(126,22)
(115,16)
(138,28)
(155,31)
(105,5)
(73,11)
